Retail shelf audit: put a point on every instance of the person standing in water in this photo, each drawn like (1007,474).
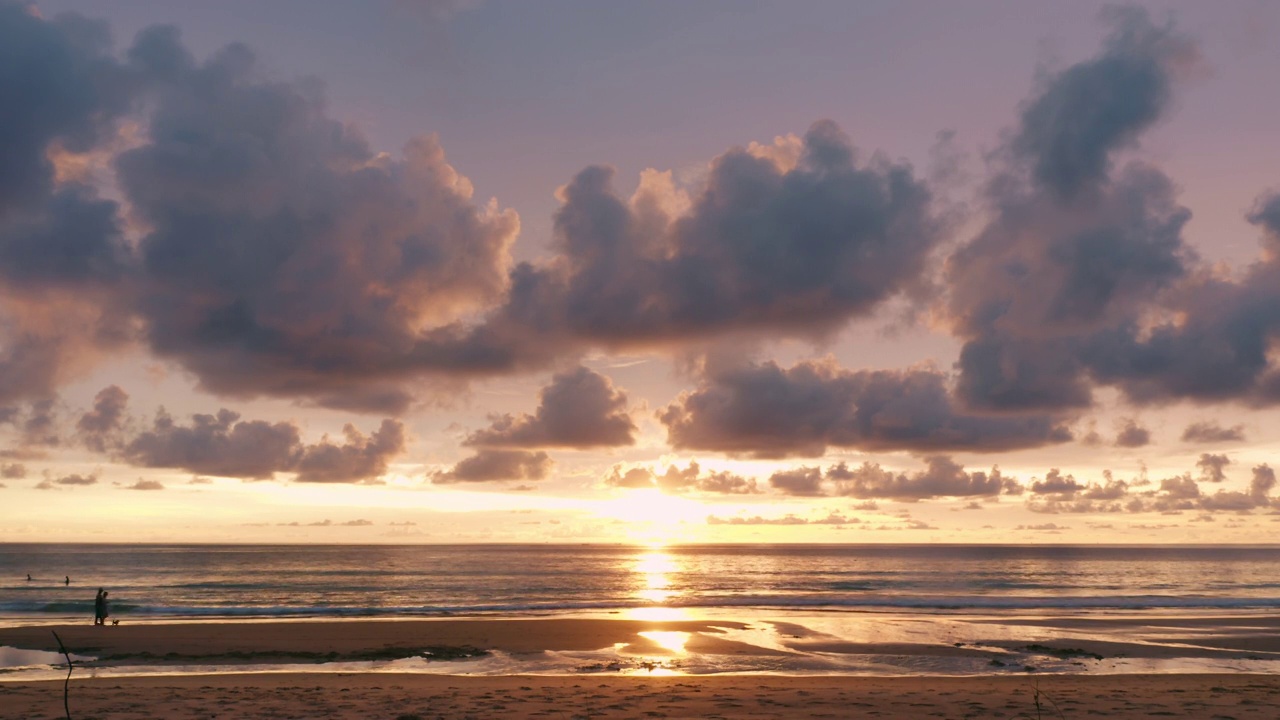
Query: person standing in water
(100,608)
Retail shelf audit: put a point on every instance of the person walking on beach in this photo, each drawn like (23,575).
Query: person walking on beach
(100,608)
(67,581)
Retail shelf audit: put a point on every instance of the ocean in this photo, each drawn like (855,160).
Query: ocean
(239,581)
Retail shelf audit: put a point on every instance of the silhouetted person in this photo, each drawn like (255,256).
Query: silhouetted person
(28,577)
(67,581)
(101,608)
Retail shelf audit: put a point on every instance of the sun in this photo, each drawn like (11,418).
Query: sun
(652,515)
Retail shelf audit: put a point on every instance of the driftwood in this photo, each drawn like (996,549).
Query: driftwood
(66,684)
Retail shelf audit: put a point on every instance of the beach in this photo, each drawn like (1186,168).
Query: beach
(404,697)
(624,668)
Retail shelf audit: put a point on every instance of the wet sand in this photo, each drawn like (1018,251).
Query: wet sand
(252,669)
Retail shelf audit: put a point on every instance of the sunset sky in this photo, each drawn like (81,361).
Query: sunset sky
(480,271)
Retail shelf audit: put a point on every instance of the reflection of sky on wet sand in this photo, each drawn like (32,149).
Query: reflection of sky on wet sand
(668,639)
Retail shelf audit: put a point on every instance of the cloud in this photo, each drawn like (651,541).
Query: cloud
(13,471)
(360,458)
(1085,113)
(801,482)
(1211,432)
(1132,435)
(1212,467)
(73,480)
(61,253)
(676,480)
(488,465)
(832,519)
(942,477)
(99,427)
(1076,250)
(223,445)
(579,409)
(146,485)
(1064,494)
(254,194)
(764,410)
(774,240)
(220,445)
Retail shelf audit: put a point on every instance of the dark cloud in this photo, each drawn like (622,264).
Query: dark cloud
(781,239)
(13,471)
(100,427)
(579,409)
(801,481)
(1172,495)
(1212,467)
(1132,435)
(61,254)
(1083,114)
(674,480)
(1083,276)
(767,411)
(285,256)
(359,458)
(491,464)
(942,477)
(1076,251)
(1212,432)
(223,445)
(146,485)
(74,480)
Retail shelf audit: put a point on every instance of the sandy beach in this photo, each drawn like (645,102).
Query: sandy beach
(348,669)
(409,697)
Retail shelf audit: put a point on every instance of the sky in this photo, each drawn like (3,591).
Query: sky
(639,272)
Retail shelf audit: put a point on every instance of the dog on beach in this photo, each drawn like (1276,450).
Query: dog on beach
(115,621)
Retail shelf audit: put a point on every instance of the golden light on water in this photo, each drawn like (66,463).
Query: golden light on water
(653,582)
(668,639)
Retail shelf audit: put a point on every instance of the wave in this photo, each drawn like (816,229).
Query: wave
(974,603)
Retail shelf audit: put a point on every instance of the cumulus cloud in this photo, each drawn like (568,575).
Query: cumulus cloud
(801,482)
(674,480)
(223,445)
(579,409)
(359,458)
(941,477)
(496,464)
(1212,467)
(790,239)
(146,485)
(1211,432)
(1076,250)
(768,411)
(1059,493)
(100,426)
(13,471)
(73,480)
(1083,276)
(1132,435)
(255,195)
(61,253)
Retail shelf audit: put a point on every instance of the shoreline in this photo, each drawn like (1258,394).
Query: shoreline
(590,667)
(851,644)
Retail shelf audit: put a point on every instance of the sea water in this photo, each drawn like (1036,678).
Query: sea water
(842,609)
(237,581)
